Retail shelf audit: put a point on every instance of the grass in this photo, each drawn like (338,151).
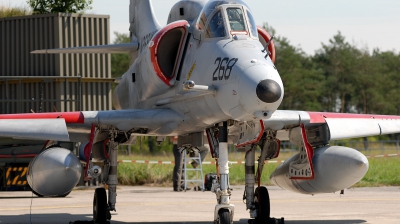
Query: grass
(14,11)
(149,174)
(382,172)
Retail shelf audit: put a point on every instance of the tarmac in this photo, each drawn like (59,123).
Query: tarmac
(140,204)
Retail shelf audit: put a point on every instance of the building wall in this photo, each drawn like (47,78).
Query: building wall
(23,86)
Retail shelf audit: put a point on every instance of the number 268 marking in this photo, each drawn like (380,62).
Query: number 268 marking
(224,68)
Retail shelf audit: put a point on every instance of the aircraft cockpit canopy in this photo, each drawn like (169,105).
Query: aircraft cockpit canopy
(219,18)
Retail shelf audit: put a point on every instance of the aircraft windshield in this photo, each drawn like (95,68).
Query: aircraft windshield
(216,27)
(216,20)
(210,7)
(252,22)
(236,19)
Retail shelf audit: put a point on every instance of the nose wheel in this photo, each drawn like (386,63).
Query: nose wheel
(101,212)
(224,216)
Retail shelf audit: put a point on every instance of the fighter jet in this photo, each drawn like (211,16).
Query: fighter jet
(208,76)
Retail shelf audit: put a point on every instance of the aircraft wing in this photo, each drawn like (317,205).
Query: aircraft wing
(340,125)
(102,49)
(76,126)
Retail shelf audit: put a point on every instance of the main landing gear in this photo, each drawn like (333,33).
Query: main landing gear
(102,208)
(257,201)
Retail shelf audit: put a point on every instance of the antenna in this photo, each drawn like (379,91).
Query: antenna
(266,46)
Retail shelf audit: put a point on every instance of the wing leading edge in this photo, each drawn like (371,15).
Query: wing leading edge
(340,125)
(71,126)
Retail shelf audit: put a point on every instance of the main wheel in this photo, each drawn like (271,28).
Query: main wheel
(224,216)
(261,199)
(100,206)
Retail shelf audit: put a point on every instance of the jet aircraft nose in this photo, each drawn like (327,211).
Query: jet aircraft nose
(268,91)
(260,91)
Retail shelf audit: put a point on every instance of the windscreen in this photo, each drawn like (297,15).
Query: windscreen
(216,27)
(252,22)
(236,19)
(209,8)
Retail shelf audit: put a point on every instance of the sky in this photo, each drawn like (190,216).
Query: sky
(305,23)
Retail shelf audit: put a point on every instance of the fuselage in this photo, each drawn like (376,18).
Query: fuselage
(222,51)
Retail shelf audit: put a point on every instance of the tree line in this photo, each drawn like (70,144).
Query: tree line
(339,77)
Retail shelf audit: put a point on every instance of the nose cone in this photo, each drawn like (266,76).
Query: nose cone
(268,91)
(260,91)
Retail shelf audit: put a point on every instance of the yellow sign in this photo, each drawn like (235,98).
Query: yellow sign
(16,176)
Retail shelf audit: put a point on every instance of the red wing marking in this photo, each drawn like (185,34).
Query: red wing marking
(310,154)
(69,117)
(319,117)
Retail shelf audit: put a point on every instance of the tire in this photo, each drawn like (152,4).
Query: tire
(261,199)
(224,216)
(100,206)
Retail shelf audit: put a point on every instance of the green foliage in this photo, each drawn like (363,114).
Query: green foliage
(139,174)
(120,62)
(339,77)
(55,6)
(303,82)
(340,62)
(14,11)
(356,81)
